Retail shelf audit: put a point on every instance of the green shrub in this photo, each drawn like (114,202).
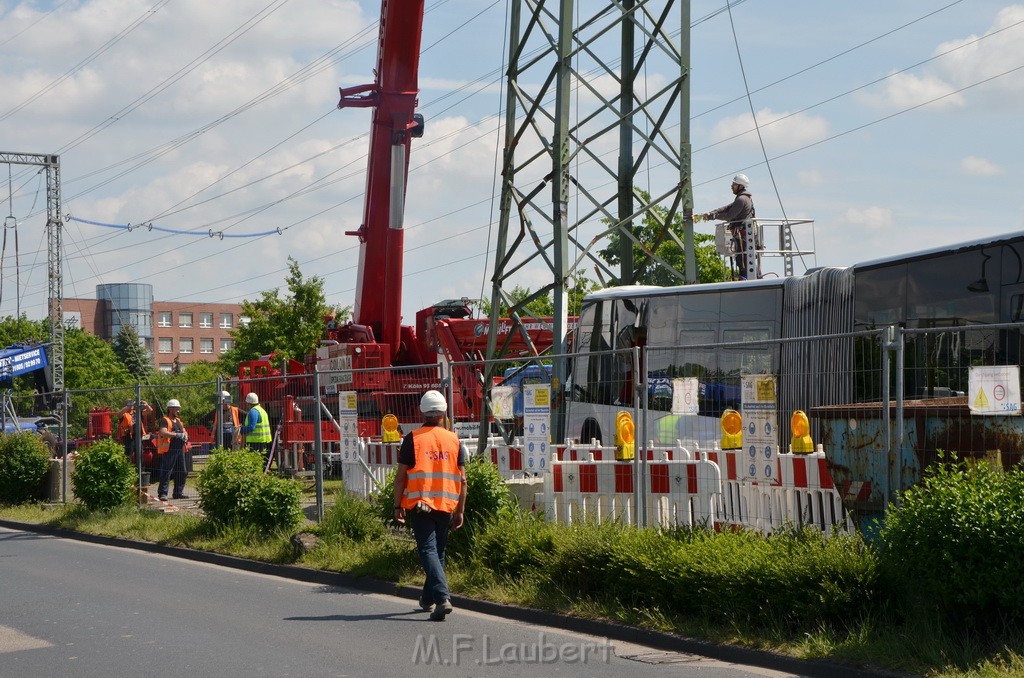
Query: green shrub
(104,477)
(956,541)
(234,490)
(352,518)
(487,498)
(515,542)
(24,461)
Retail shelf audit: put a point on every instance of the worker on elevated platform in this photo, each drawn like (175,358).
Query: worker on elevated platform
(739,214)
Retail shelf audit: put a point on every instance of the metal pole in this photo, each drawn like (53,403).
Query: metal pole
(627,276)
(318,444)
(888,336)
(64,442)
(685,150)
(218,415)
(137,438)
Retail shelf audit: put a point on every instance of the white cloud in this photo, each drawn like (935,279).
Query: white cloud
(780,130)
(979,167)
(871,218)
(901,91)
(810,178)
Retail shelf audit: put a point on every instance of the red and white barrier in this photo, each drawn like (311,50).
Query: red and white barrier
(806,494)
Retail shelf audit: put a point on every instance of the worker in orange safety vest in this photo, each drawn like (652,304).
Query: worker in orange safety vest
(126,426)
(170,447)
(430,490)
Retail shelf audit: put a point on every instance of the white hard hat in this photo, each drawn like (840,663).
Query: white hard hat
(173,403)
(433,401)
(225,397)
(252,399)
(742,180)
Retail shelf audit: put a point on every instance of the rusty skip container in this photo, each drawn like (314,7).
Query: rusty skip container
(871,463)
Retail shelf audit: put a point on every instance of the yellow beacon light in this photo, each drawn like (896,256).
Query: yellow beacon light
(732,430)
(389,426)
(801,442)
(625,436)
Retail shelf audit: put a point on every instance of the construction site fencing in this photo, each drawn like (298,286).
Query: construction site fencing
(880,406)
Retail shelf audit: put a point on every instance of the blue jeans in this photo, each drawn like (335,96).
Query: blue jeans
(431,530)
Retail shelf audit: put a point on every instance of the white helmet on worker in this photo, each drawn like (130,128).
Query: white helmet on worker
(433,401)
(225,397)
(742,180)
(252,399)
(173,403)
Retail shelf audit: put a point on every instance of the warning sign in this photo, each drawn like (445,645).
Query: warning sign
(760,417)
(994,390)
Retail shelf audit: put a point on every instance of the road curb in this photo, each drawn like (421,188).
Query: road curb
(606,629)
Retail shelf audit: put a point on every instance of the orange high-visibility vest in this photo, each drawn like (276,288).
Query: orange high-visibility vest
(435,479)
(217,419)
(163,443)
(126,427)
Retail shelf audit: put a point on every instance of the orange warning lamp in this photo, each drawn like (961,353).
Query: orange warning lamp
(732,430)
(625,436)
(389,426)
(801,442)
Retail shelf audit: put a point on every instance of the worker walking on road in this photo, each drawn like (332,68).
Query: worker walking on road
(430,491)
(171,440)
(738,214)
(256,429)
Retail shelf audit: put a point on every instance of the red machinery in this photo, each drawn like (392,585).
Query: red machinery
(376,338)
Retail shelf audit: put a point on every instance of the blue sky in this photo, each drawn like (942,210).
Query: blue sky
(894,126)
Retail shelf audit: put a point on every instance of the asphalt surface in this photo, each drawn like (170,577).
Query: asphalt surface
(72,606)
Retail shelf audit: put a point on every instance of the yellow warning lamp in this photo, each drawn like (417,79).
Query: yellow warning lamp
(389,425)
(801,428)
(625,436)
(732,430)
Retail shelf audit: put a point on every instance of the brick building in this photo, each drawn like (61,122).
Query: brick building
(185,331)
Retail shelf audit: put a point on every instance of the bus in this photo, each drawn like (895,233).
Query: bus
(816,334)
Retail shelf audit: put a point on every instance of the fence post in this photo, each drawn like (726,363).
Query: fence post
(137,439)
(640,403)
(318,444)
(218,416)
(64,441)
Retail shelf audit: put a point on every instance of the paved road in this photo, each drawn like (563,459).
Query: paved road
(69,608)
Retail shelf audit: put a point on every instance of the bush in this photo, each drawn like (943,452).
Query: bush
(515,543)
(956,541)
(234,490)
(24,461)
(487,498)
(352,518)
(104,477)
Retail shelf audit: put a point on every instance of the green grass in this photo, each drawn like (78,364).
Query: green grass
(499,569)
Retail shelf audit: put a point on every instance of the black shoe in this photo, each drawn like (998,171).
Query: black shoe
(426,605)
(178,496)
(441,611)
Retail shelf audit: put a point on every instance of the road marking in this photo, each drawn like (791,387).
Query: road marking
(13,640)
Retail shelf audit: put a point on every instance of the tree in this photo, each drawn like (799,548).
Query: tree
(289,327)
(129,350)
(543,307)
(652,233)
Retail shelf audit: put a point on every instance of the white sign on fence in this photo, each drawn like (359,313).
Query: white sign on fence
(349,422)
(502,401)
(994,390)
(338,369)
(536,426)
(684,395)
(760,427)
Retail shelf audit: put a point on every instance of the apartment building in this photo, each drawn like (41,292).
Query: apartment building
(181,332)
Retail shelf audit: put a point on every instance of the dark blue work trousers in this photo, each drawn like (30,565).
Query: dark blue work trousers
(431,531)
(172,465)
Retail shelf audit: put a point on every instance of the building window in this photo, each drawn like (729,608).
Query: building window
(225,321)
(185,344)
(166,344)
(166,368)
(206,345)
(206,320)
(226,345)
(164,320)
(185,319)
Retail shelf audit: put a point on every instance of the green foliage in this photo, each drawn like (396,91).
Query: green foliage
(382,502)
(103,476)
(24,461)
(234,490)
(653,233)
(544,306)
(956,540)
(289,327)
(129,350)
(487,498)
(353,519)
(515,543)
